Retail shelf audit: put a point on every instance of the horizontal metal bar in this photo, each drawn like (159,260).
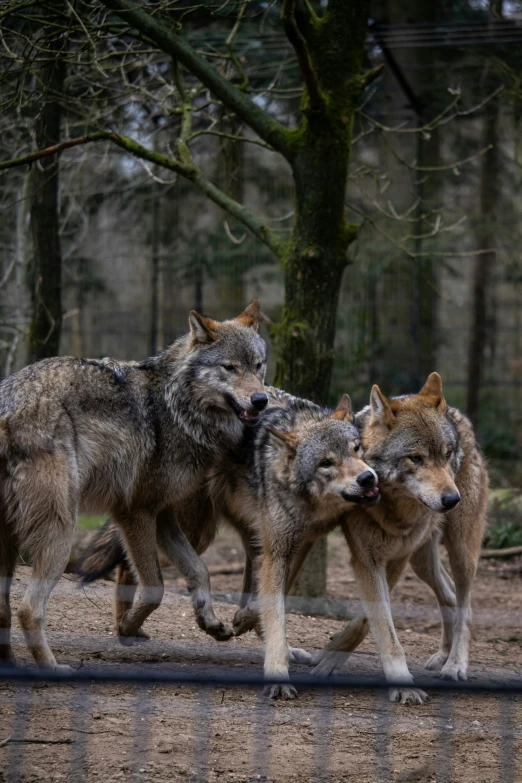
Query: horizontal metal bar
(305,681)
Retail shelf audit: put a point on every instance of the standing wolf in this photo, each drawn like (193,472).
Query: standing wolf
(301,471)
(198,518)
(434,484)
(287,483)
(132,440)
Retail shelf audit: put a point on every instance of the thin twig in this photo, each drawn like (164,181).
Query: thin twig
(230,235)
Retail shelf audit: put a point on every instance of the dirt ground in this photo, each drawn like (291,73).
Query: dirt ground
(117,733)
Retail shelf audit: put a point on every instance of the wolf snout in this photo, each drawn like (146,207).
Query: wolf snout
(449,500)
(367,479)
(259,401)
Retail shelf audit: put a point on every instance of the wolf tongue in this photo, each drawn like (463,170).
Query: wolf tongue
(371,492)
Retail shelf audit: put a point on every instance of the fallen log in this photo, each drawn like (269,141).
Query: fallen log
(508,552)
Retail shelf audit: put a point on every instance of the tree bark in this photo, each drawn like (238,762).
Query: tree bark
(484,263)
(154,343)
(317,254)
(46,322)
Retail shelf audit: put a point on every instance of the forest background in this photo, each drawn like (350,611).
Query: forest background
(104,251)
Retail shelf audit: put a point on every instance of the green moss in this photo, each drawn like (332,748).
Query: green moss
(90,523)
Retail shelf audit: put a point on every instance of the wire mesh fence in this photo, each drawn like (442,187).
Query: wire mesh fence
(142,703)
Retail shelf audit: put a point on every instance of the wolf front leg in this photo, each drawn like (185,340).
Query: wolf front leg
(376,601)
(176,546)
(272,583)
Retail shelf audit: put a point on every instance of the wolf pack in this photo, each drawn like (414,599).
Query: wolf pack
(176,445)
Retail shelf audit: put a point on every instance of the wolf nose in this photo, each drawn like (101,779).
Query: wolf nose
(259,401)
(366,479)
(449,500)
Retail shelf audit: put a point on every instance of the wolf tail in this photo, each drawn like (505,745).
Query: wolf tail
(103,554)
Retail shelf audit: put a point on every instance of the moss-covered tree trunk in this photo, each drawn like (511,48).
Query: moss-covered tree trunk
(46,272)
(317,254)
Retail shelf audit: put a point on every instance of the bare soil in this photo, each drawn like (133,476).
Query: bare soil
(114,733)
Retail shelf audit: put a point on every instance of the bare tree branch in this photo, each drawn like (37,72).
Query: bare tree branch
(186,169)
(298,41)
(234,99)
(27,160)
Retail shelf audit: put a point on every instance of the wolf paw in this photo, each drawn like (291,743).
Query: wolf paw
(296,655)
(284,692)
(245,620)
(408,696)
(7,658)
(436,662)
(127,641)
(218,630)
(141,636)
(326,662)
(62,668)
(454,671)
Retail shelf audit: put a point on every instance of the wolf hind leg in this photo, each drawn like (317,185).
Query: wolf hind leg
(124,594)
(178,550)
(45,529)
(139,534)
(463,539)
(426,563)
(338,650)
(7,567)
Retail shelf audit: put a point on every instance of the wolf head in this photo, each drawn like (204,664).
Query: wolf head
(323,461)
(227,363)
(413,445)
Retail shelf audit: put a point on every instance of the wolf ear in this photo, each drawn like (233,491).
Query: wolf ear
(288,439)
(344,409)
(433,388)
(380,408)
(250,315)
(202,329)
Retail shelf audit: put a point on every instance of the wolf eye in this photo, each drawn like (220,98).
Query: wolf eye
(416,459)
(229,367)
(449,453)
(357,448)
(326,463)
(259,365)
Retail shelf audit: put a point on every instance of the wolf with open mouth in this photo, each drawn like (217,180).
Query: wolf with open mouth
(129,438)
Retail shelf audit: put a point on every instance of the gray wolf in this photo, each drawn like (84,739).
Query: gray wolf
(290,481)
(197,521)
(434,483)
(300,471)
(131,439)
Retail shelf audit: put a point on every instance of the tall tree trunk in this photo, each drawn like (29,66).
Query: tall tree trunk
(155,315)
(484,263)
(425,299)
(46,322)
(317,254)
